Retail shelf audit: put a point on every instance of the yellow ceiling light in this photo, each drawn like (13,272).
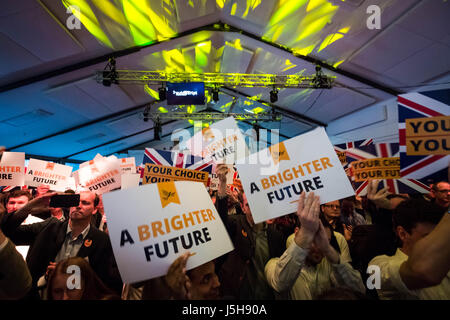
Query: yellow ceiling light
(286,8)
(344,30)
(329,40)
(110,10)
(141,28)
(258,110)
(151,92)
(233,9)
(313,4)
(88,19)
(236,44)
(277,32)
(221,3)
(338,63)
(202,51)
(304,51)
(289,65)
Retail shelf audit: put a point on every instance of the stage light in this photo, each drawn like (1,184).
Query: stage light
(106,81)
(215,94)
(157,130)
(162,93)
(274,95)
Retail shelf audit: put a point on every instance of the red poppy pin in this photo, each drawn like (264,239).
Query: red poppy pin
(87,243)
(244,233)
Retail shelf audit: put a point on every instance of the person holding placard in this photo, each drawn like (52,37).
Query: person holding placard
(53,241)
(242,272)
(310,265)
(15,278)
(200,283)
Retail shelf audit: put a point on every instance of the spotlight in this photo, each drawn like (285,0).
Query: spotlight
(162,93)
(274,95)
(215,94)
(106,81)
(157,130)
(110,75)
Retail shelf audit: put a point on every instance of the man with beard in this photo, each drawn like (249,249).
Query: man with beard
(311,264)
(52,241)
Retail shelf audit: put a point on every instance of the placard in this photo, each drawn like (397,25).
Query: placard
(376,169)
(152,225)
(221,142)
(154,173)
(12,168)
(425,136)
(100,176)
(128,165)
(274,178)
(130,180)
(44,172)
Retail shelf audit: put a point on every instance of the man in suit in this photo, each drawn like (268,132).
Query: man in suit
(15,278)
(52,241)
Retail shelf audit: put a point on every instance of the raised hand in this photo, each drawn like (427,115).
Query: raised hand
(308,214)
(378,197)
(323,244)
(348,230)
(177,280)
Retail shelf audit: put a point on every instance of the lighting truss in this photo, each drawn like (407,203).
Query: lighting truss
(209,116)
(317,81)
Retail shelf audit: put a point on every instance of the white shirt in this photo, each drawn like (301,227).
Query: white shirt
(303,282)
(393,288)
(23,250)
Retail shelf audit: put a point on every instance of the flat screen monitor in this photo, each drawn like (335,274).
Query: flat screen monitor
(185,93)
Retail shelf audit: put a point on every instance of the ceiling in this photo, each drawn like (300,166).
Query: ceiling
(52,106)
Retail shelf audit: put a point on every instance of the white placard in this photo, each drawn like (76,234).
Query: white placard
(307,163)
(130,180)
(214,183)
(222,142)
(147,237)
(101,175)
(43,172)
(12,168)
(127,165)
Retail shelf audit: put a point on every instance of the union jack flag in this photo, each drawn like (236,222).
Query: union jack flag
(382,150)
(175,159)
(430,168)
(342,147)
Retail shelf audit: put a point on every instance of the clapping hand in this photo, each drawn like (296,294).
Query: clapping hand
(378,197)
(308,214)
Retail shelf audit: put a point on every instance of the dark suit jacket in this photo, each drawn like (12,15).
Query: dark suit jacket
(233,267)
(45,240)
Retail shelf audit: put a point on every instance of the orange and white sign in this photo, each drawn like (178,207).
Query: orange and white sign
(222,142)
(43,172)
(152,225)
(100,175)
(274,178)
(128,165)
(12,167)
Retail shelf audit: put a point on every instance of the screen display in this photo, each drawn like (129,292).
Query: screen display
(185,93)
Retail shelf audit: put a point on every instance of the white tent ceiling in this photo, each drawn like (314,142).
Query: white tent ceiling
(51,105)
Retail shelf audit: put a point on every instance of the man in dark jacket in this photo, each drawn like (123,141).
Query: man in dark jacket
(242,272)
(52,241)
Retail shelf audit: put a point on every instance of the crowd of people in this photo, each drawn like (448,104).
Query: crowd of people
(380,246)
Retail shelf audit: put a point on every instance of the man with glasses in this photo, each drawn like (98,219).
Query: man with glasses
(440,192)
(332,213)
